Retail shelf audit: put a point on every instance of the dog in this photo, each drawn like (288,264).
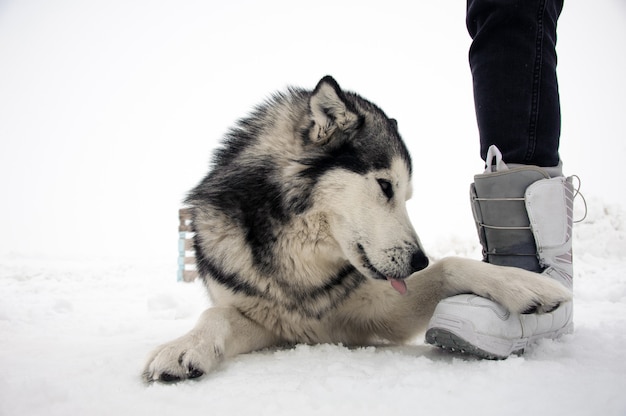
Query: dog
(302,236)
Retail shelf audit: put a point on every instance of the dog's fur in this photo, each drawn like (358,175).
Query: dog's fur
(302,236)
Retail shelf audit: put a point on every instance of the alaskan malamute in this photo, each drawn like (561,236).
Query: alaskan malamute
(302,236)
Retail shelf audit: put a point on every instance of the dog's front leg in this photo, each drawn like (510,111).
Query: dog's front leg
(399,318)
(516,289)
(220,333)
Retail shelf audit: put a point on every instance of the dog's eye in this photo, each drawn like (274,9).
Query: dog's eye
(386,187)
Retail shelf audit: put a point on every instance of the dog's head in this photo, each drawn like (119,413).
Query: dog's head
(362,171)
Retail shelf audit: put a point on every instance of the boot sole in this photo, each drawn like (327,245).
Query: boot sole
(451,342)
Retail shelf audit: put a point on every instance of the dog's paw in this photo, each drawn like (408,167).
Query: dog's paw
(185,358)
(532,293)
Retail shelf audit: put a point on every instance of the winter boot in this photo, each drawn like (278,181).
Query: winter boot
(523,216)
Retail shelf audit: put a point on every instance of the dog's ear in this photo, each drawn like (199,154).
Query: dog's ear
(329,111)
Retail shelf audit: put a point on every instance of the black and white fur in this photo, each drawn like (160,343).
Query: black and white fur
(302,236)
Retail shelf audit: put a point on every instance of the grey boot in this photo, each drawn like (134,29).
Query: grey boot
(523,216)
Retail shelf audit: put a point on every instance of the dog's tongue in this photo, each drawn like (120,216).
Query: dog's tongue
(399,285)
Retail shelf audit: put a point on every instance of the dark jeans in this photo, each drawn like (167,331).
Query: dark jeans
(513,62)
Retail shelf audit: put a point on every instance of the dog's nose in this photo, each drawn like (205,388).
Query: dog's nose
(419,261)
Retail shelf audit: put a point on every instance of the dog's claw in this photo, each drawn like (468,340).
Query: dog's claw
(540,308)
(168,378)
(194,373)
(553,308)
(534,308)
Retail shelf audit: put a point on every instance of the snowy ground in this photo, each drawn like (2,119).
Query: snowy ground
(75,334)
(108,112)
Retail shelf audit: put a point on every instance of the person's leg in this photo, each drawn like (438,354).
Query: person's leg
(523,211)
(513,63)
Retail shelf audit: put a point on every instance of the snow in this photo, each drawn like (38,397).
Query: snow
(75,334)
(108,113)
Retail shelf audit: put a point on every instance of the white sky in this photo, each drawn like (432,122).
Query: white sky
(109,109)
